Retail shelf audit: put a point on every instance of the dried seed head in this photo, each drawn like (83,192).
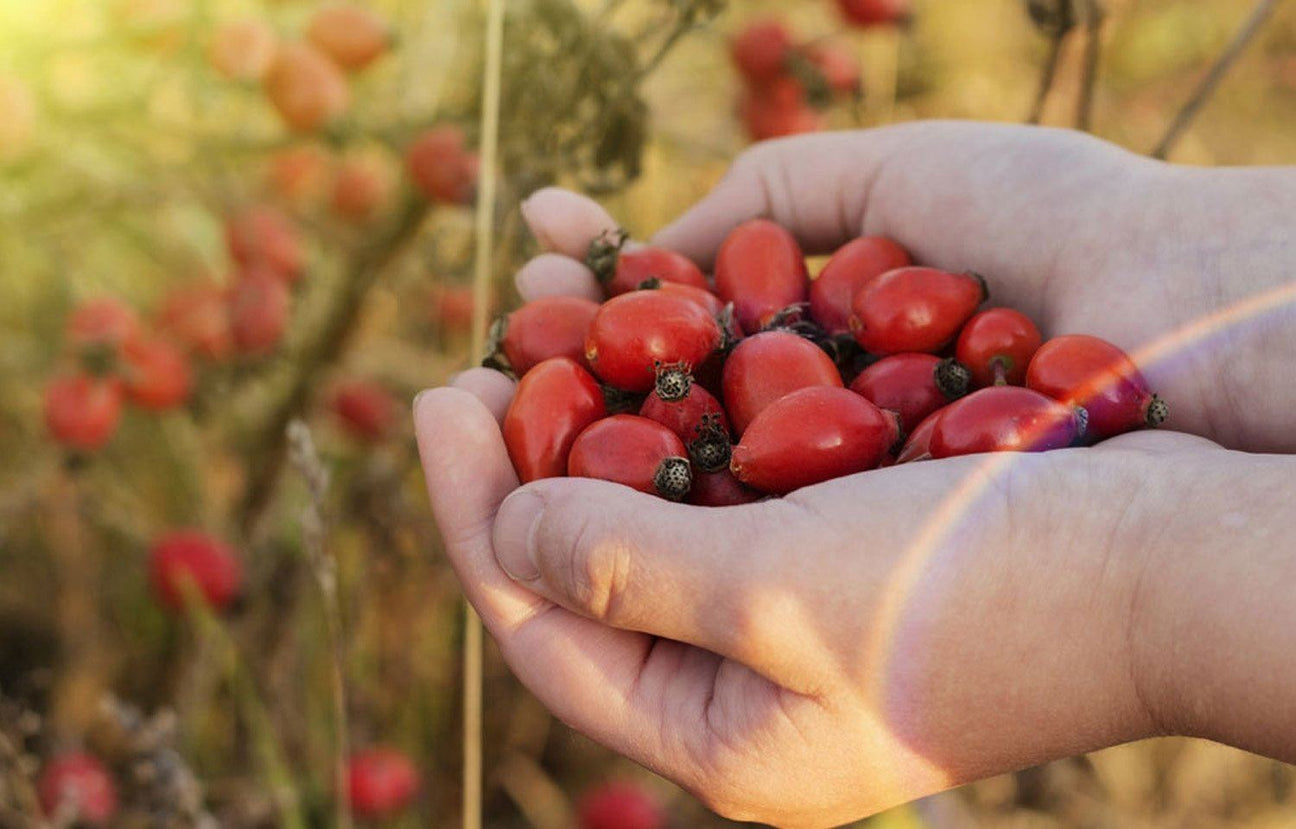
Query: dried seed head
(1157,411)
(674,479)
(673,381)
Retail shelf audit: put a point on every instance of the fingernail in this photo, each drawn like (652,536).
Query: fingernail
(533,224)
(514,536)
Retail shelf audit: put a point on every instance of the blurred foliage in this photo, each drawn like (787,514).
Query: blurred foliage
(120,153)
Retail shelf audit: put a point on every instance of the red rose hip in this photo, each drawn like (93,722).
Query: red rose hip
(912,385)
(82,412)
(381,782)
(634,333)
(996,345)
(620,805)
(553,404)
(156,374)
(760,269)
(186,559)
(76,785)
(811,436)
(635,451)
(853,266)
(365,409)
(914,309)
(1005,419)
(768,365)
(1087,371)
(543,328)
(622,271)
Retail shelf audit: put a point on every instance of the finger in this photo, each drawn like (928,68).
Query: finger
(493,388)
(711,578)
(553,274)
(566,222)
(590,675)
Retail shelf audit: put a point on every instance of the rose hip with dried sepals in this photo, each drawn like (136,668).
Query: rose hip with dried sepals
(849,269)
(760,269)
(912,385)
(635,451)
(554,402)
(635,332)
(1088,371)
(765,367)
(914,309)
(542,328)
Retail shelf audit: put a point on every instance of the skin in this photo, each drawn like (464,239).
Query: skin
(861,643)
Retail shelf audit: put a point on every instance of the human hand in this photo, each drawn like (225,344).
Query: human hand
(856,644)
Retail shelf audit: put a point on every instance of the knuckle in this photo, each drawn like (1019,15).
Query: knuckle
(596,571)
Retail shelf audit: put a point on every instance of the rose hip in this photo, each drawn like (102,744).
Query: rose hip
(1005,419)
(996,345)
(914,309)
(365,409)
(553,404)
(1087,371)
(635,451)
(703,297)
(381,782)
(156,374)
(853,266)
(634,333)
(185,560)
(546,327)
(760,269)
(621,270)
(76,785)
(82,411)
(764,367)
(812,435)
(692,413)
(197,316)
(917,446)
(105,323)
(912,385)
(760,51)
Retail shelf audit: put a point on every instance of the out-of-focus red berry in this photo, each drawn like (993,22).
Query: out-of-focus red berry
(866,13)
(381,782)
(191,559)
(351,35)
(258,311)
(620,804)
(76,785)
(760,51)
(307,89)
(365,409)
(362,187)
(197,317)
(242,50)
(442,168)
(82,411)
(778,109)
(102,323)
(300,174)
(263,236)
(155,374)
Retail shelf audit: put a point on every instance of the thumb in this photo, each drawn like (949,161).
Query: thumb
(710,577)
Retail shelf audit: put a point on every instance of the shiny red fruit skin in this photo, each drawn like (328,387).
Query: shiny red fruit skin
(81,781)
(634,332)
(263,237)
(905,384)
(1088,371)
(812,435)
(1004,419)
(553,404)
(766,366)
(619,805)
(381,782)
(155,374)
(82,411)
(917,446)
(913,309)
(721,489)
(760,51)
(211,565)
(703,297)
(638,264)
(104,322)
(853,266)
(258,311)
(547,327)
(442,168)
(365,409)
(865,13)
(684,416)
(197,317)
(760,269)
(998,342)
(625,449)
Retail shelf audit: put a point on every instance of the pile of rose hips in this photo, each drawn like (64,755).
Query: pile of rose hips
(761,381)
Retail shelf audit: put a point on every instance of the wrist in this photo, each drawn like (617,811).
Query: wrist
(1212,625)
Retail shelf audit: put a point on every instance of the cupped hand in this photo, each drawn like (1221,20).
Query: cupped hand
(816,658)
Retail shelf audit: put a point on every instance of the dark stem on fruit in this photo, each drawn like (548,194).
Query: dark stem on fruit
(673,479)
(1157,412)
(952,378)
(1259,16)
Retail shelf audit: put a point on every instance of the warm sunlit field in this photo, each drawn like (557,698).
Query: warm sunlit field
(300,238)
